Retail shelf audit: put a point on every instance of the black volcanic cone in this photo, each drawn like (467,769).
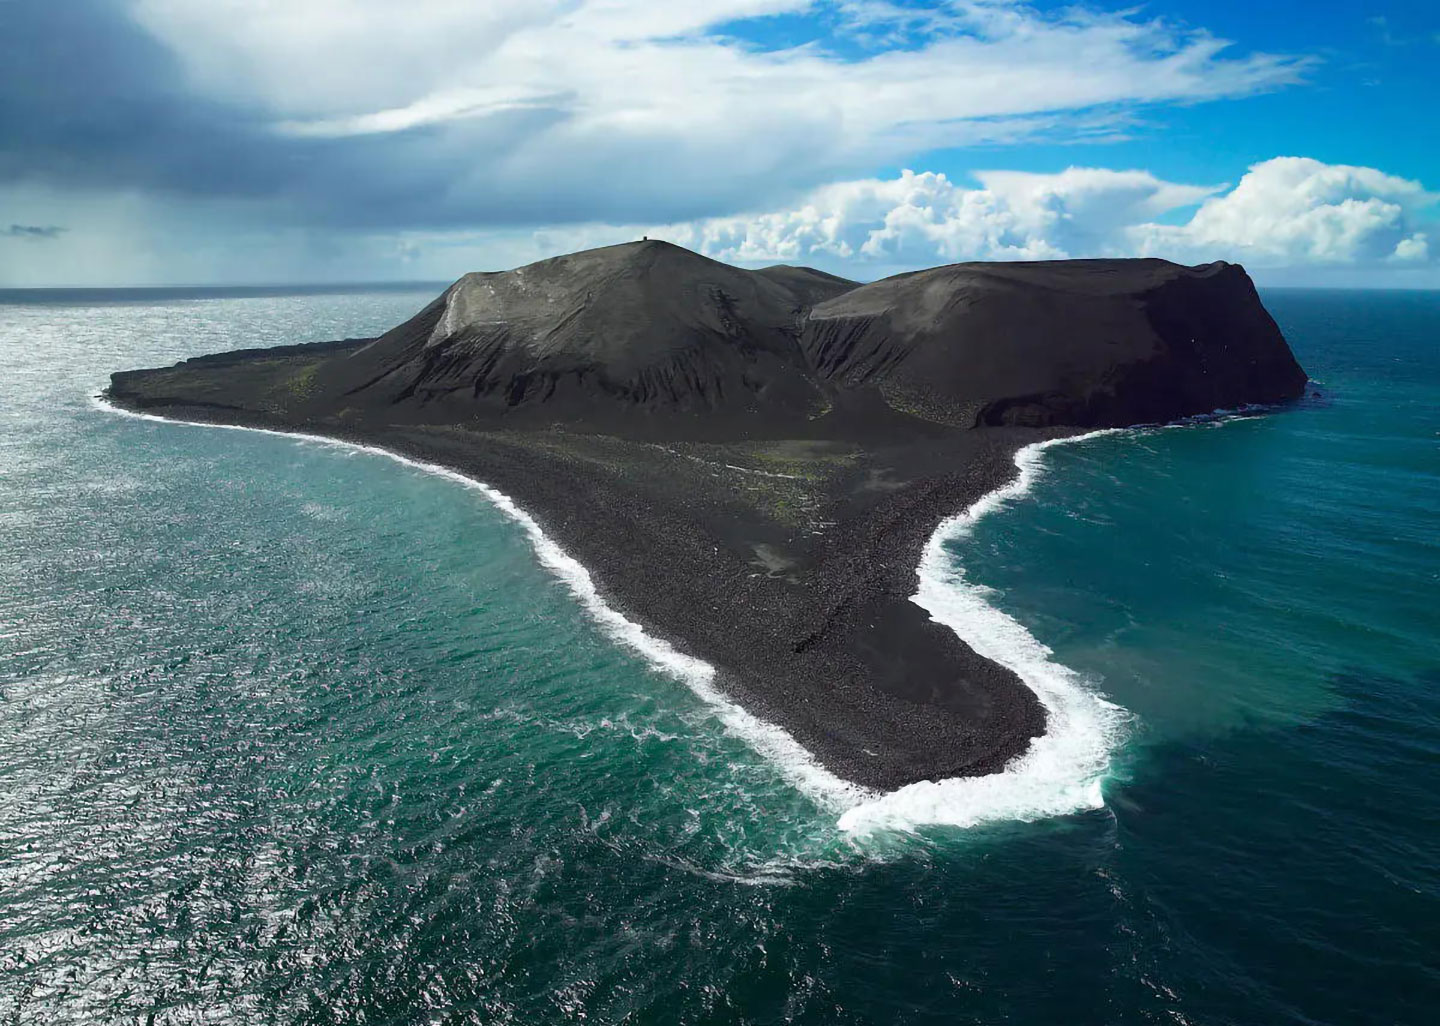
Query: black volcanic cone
(750,463)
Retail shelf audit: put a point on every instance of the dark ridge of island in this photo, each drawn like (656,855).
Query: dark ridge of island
(751,462)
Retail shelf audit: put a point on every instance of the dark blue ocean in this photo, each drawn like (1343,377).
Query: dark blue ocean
(291,733)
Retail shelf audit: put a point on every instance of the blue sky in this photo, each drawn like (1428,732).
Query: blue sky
(249,141)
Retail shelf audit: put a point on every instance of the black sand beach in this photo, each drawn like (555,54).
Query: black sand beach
(750,463)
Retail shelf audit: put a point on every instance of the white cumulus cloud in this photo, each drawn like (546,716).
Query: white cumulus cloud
(1294,211)
(1283,213)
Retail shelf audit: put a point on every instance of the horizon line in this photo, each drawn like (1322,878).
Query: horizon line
(398,284)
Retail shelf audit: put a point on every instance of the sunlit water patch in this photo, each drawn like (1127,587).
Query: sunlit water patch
(295,735)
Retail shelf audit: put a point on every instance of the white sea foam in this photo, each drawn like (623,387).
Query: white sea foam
(769,740)
(1063,770)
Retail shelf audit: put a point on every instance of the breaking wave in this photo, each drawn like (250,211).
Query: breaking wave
(1063,769)
(772,742)
(1060,773)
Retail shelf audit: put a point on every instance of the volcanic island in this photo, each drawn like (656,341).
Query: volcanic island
(751,462)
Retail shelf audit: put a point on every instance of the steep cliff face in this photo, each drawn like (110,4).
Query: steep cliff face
(651,339)
(1086,342)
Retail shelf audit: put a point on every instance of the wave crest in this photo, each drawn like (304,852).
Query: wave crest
(1060,773)
(1063,770)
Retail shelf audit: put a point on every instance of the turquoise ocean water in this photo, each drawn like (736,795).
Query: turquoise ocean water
(297,734)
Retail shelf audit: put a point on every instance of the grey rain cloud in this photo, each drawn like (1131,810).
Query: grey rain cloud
(89,99)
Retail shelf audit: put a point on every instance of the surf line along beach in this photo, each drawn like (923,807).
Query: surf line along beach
(753,463)
(1060,773)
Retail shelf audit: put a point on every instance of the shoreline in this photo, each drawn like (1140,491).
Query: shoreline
(788,565)
(753,464)
(1059,772)
(769,740)
(1063,770)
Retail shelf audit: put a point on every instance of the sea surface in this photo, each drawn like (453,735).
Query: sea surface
(292,733)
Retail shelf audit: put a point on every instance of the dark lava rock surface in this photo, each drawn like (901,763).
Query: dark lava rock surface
(750,462)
